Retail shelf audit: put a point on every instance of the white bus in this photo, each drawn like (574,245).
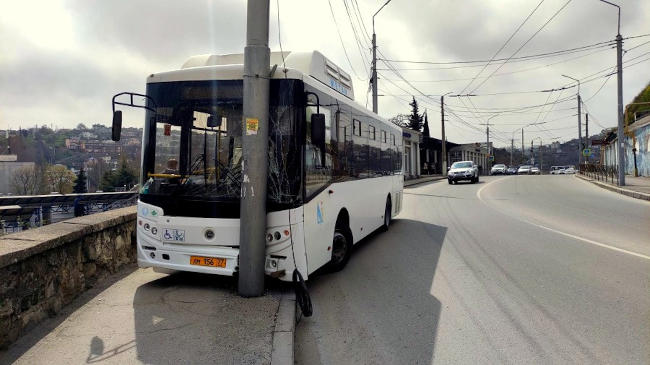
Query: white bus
(322,199)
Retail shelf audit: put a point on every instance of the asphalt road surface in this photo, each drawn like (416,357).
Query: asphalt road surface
(515,269)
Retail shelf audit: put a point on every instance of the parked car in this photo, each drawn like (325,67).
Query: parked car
(498,169)
(570,170)
(535,170)
(523,170)
(555,170)
(463,170)
(512,170)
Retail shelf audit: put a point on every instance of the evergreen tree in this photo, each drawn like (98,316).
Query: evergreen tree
(425,131)
(80,183)
(122,177)
(415,119)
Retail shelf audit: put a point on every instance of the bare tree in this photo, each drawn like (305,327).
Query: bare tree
(60,179)
(26,181)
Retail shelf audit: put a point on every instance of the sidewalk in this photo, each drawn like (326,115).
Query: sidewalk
(636,187)
(139,316)
(423,179)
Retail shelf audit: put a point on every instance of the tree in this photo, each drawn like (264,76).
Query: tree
(80,184)
(26,181)
(122,177)
(415,119)
(642,97)
(425,131)
(59,178)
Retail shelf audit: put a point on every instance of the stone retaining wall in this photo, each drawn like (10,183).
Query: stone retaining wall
(43,269)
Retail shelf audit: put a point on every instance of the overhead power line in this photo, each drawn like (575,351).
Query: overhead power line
(345,51)
(523,45)
(503,46)
(533,56)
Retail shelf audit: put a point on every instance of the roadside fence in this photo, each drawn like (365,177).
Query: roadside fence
(606,173)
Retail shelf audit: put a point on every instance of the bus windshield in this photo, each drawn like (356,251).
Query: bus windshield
(193,145)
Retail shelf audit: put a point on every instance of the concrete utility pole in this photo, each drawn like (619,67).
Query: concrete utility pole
(523,147)
(374,69)
(579,121)
(619,74)
(252,231)
(587,135)
(374,61)
(541,154)
(444,141)
(619,130)
(487,147)
(512,148)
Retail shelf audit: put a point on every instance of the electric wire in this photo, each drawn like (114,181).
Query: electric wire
(502,46)
(523,45)
(342,43)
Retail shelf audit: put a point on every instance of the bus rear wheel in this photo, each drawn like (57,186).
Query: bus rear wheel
(341,250)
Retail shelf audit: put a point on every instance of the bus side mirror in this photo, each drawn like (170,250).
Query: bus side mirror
(318,130)
(117,125)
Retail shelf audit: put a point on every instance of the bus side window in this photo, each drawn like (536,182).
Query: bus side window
(318,172)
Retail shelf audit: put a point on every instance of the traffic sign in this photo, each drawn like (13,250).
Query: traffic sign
(586,152)
(491,158)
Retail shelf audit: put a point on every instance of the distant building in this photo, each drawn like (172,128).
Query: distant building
(411,140)
(103,147)
(470,152)
(74,144)
(431,155)
(8,166)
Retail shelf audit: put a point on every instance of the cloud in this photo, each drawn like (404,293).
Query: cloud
(63,60)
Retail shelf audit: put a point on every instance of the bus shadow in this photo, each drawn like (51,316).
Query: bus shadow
(380,308)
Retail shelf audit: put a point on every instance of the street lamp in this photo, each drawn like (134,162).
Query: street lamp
(579,120)
(374,60)
(487,133)
(523,148)
(541,159)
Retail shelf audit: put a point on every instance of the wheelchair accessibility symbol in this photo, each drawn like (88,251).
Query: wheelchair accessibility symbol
(177,235)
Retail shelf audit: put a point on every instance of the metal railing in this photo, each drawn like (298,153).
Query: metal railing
(605,173)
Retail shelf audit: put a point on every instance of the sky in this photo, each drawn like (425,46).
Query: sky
(61,61)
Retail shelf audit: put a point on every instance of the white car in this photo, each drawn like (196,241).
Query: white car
(523,169)
(535,171)
(463,170)
(498,169)
(570,170)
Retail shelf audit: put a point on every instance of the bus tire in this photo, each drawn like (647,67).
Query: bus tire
(341,249)
(387,215)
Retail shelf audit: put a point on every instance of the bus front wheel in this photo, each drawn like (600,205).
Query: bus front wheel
(387,215)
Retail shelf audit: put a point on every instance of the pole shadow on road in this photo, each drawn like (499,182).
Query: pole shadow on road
(200,318)
(380,308)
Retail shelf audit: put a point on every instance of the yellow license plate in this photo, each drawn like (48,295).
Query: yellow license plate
(207,261)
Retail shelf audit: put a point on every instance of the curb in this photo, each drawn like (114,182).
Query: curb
(409,183)
(616,189)
(283,334)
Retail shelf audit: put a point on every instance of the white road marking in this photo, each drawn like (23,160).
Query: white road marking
(596,243)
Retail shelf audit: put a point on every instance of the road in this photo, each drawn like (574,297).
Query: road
(515,269)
